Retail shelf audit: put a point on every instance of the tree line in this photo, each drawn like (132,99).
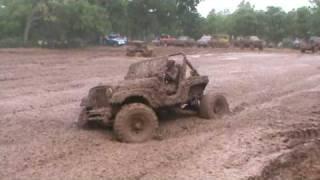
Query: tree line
(28,21)
(272,24)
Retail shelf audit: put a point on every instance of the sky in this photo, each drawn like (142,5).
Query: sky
(207,5)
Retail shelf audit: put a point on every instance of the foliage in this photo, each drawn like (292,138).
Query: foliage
(218,23)
(87,20)
(273,25)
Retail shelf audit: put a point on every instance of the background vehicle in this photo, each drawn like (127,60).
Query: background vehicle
(184,41)
(136,47)
(204,41)
(220,41)
(166,40)
(251,42)
(150,86)
(313,45)
(156,42)
(115,40)
(296,43)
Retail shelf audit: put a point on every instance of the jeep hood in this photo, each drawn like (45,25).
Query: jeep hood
(101,95)
(143,83)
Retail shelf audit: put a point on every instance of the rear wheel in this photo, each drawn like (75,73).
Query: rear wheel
(213,106)
(135,123)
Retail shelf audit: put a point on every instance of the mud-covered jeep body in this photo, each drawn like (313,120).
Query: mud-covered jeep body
(149,86)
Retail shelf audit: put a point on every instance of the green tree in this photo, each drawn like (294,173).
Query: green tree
(303,22)
(218,23)
(244,20)
(189,19)
(275,24)
(31,20)
(315,22)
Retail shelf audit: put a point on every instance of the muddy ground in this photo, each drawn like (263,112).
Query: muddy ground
(272,133)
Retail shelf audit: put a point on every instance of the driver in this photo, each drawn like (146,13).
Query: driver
(172,76)
(172,71)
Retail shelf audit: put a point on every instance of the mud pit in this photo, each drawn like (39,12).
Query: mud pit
(272,132)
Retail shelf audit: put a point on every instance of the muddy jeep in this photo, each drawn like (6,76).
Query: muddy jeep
(220,41)
(251,42)
(136,47)
(151,86)
(312,45)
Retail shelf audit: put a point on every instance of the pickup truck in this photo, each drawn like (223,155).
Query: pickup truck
(115,40)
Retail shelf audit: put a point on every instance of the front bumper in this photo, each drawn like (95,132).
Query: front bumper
(103,114)
(121,43)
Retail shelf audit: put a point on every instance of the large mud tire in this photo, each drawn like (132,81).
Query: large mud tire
(83,119)
(213,106)
(135,123)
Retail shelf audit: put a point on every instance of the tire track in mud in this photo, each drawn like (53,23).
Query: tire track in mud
(41,139)
(166,158)
(298,133)
(273,99)
(274,151)
(56,77)
(169,155)
(278,97)
(43,107)
(47,96)
(57,150)
(197,154)
(24,126)
(175,158)
(302,162)
(31,103)
(35,89)
(213,143)
(51,152)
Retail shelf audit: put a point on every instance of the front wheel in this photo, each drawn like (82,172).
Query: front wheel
(135,123)
(213,106)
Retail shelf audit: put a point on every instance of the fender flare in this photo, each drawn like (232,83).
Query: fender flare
(147,95)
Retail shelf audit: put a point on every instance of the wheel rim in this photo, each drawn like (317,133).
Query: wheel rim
(137,124)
